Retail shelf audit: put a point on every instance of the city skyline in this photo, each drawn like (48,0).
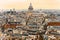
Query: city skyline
(24,4)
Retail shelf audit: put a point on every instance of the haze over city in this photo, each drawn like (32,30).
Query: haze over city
(23,4)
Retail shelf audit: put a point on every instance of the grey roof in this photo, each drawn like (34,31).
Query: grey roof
(55,33)
(20,35)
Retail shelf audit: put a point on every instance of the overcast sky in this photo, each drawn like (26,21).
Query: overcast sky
(23,4)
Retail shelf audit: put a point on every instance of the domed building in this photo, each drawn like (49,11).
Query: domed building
(30,7)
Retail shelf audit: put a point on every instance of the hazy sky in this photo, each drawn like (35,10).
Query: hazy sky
(23,4)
